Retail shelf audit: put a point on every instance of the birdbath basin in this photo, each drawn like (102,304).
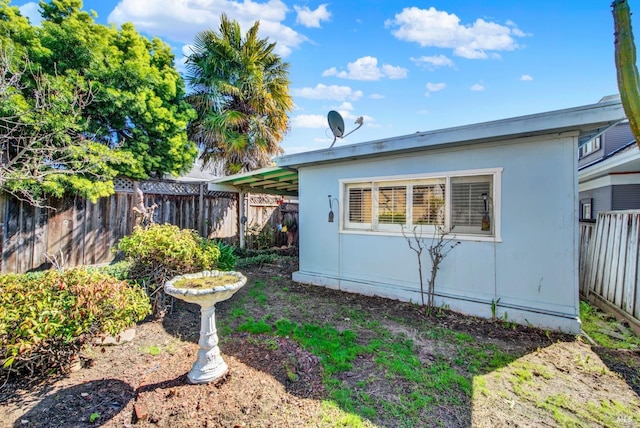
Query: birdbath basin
(206,288)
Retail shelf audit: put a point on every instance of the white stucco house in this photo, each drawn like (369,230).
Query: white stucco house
(506,189)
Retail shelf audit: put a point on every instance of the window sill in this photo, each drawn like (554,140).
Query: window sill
(426,235)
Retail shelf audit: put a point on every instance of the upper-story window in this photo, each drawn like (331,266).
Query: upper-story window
(589,147)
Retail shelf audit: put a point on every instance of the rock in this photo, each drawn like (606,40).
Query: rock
(141,412)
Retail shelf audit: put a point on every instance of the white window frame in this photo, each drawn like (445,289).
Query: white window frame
(411,180)
(591,146)
(345,222)
(586,211)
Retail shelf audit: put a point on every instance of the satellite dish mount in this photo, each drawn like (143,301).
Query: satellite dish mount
(336,123)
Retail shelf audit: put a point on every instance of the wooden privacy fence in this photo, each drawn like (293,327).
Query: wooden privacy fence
(76,232)
(267,216)
(609,262)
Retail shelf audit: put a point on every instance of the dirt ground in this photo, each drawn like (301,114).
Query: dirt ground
(142,383)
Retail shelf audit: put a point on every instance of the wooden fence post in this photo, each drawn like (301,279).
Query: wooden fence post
(242,219)
(201,225)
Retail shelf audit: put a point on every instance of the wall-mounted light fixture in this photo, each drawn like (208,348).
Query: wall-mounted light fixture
(331,200)
(330,210)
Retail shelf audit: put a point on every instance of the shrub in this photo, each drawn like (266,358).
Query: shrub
(175,250)
(45,319)
(228,257)
(161,251)
(119,270)
(262,259)
(261,237)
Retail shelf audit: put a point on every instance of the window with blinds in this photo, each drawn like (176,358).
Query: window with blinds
(392,205)
(471,204)
(463,204)
(359,205)
(428,204)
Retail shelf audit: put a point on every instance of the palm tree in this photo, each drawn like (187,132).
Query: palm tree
(241,94)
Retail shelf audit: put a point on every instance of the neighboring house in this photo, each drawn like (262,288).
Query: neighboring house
(198,173)
(506,190)
(609,172)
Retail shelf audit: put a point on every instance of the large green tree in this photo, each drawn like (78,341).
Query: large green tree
(89,102)
(241,95)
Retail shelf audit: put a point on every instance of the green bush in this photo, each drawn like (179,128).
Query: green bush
(119,270)
(228,257)
(261,237)
(175,250)
(161,251)
(265,259)
(45,319)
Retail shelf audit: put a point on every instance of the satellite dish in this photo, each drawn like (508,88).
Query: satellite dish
(336,123)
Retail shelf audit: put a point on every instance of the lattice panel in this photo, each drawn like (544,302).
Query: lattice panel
(219,194)
(123,184)
(157,187)
(169,188)
(263,200)
(154,187)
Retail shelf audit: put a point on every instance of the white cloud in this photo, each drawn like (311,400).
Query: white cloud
(309,121)
(526,77)
(330,72)
(369,124)
(477,87)
(366,68)
(433,62)
(376,96)
(430,27)
(311,18)
(179,20)
(31,10)
(435,87)
(346,106)
(328,92)
(394,72)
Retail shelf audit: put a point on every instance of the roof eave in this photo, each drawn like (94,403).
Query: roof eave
(580,119)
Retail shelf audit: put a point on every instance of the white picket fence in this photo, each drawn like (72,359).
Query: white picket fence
(609,262)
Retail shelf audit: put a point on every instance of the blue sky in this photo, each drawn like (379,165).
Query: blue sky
(406,66)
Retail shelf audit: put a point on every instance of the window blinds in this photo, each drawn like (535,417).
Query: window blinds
(471,204)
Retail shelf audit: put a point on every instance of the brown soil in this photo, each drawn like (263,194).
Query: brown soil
(273,382)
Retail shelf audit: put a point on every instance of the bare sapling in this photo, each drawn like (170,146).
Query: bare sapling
(441,245)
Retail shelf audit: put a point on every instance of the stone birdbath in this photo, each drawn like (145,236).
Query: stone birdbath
(206,288)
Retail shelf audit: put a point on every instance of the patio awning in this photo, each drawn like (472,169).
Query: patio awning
(271,180)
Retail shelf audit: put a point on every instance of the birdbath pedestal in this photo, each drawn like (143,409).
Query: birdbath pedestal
(209,365)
